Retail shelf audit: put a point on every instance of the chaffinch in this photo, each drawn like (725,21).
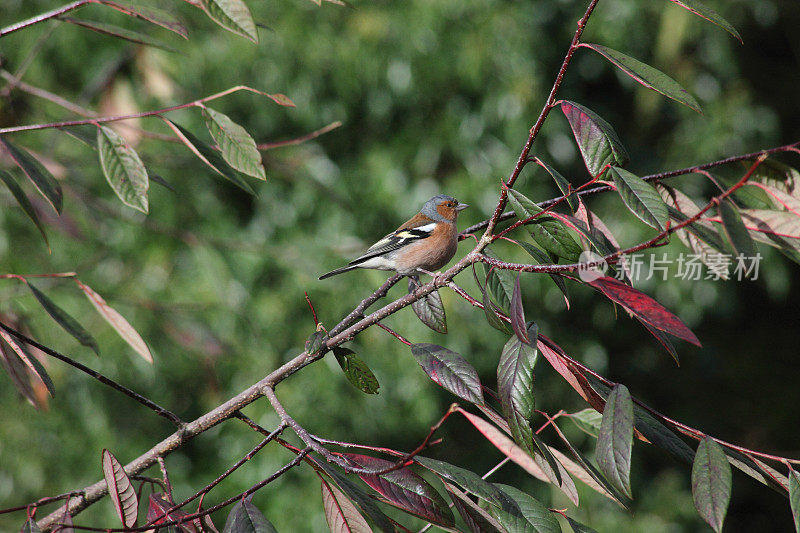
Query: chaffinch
(423,244)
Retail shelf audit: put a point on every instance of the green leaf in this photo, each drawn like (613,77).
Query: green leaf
(469,480)
(449,370)
(597,140)
(24,202)
(429,309)
(40,176)
(476,518)
(246,518)
(356,371)
(123,169)
(648,76)
(489,309)
(233,15)
(615,440)
(150,14)
(120,33)
(652,429)
(236,145)
(69,324)
(314,341)
(587,420)
(711,483)
(208,156)
(542,258)
(539,517)
(794,498)
(562,183)
(500,283)
(548,232)
(84,133)
(735,230)
(710,15)
(515,378)
(641,198)
(577,527)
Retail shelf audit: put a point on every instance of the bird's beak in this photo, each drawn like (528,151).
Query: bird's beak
(461,207)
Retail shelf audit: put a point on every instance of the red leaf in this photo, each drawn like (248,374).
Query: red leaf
(158,505)
(517,314)
(405,489)
(644,307)
(120,489)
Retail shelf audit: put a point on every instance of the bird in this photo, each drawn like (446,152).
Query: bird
(423,244)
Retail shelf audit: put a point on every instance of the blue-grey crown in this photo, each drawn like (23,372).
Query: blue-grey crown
(429,209)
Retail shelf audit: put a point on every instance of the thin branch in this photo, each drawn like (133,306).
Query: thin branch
(651,177)
(218,480)
(549,104)
(44,16)
(290,142)
(160,411)
(115,118)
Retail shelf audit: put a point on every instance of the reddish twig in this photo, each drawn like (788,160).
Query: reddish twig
(394,334)
(160,411)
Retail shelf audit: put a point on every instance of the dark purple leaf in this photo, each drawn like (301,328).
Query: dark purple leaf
(597,140)
(538,517)
(120,489)
(24,202)
(562,183)
(39,176)
(735,230)
(711,483)
(515,386)
(64,320)
(470,481)
(710,15)
(429,309)
(644,307)
(449,370)
(648,76)
(517,314)
(405,489)
(478,520)
(794,498)
(615,440)
(246,518)
(314,342)
(663,339)
(157,507)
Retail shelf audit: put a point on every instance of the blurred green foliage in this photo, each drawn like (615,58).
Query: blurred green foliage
(434,96)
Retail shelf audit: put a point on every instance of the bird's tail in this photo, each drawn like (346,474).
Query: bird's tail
(338,271)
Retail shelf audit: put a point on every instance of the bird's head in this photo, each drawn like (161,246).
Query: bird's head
(443,208)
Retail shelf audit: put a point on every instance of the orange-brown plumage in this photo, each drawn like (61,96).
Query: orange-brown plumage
(424,243)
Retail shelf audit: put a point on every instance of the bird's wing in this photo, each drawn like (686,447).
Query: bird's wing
(396,240)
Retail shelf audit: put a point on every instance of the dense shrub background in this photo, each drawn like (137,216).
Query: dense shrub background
(434,96)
